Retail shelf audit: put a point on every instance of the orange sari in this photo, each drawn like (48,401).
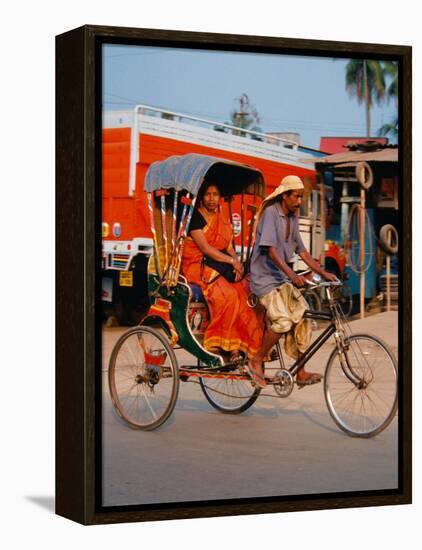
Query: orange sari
(233,324)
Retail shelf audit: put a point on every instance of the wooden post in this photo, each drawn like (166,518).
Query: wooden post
(362,252)
(242,227)
(323,218)
(388,283)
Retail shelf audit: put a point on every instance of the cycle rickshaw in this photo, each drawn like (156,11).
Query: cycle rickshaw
(360,379)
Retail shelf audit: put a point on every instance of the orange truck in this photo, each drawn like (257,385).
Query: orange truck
(131,141)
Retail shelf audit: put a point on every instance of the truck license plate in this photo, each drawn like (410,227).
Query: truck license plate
(126,278)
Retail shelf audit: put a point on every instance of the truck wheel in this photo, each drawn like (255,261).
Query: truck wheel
(122,313)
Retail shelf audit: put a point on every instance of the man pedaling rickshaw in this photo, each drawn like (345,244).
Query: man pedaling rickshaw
(275,283)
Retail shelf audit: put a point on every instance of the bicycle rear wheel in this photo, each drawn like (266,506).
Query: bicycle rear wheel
(366,407)
(143,378)
(312,299)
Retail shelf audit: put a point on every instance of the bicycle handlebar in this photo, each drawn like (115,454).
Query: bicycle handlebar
(322,283)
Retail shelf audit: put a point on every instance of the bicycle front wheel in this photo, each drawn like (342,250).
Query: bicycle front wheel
(143,378)
(360,386)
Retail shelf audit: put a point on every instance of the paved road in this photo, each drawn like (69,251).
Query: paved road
(278,447)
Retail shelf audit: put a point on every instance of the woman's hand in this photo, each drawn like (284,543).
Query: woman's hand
(238,267)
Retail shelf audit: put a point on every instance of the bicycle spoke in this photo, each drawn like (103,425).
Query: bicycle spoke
(148,402)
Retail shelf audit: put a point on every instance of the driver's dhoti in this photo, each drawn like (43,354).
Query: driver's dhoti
(285,307)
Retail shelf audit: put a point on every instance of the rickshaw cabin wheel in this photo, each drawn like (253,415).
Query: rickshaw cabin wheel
(143,378)
(228,393)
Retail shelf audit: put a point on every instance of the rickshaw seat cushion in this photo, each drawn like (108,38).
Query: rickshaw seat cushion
(197,295)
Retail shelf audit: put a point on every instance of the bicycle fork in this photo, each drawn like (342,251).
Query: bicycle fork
(343,348)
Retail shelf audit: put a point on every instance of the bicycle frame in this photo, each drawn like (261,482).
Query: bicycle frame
(217,371)
(313,348)
(333,328)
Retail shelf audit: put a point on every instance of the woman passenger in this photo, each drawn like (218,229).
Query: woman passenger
(234,327)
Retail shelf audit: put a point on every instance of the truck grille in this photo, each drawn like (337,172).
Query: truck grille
(120,261)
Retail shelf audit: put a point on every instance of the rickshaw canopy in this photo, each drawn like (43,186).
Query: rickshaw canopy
(188,172)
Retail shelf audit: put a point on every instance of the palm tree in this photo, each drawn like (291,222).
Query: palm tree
(365,80)
(390,128)
(391,70)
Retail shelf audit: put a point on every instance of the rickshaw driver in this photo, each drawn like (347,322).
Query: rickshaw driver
(275,283)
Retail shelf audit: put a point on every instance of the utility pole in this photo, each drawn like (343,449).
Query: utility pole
(243,109)
(362,219)
(244,116)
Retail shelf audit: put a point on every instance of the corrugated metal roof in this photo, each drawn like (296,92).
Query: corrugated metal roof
(383,155)
(338,144)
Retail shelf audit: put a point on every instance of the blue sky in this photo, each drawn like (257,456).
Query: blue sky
(306,95)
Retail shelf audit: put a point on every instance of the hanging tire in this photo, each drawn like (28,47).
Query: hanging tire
(389,239)
(364,174)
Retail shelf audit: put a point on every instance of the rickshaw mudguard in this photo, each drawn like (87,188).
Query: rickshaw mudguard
(170,307)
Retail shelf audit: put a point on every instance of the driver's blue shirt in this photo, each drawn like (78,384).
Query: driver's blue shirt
(272,231)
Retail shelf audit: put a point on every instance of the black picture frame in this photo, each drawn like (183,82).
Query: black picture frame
(78,250)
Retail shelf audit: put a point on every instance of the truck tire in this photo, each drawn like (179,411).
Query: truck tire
(123,314)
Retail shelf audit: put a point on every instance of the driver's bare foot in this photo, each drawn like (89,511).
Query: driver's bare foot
(304,378)
(257,373)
